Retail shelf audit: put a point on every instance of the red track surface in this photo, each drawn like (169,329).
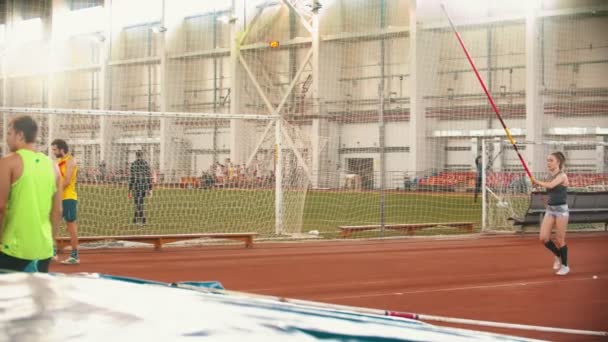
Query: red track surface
(506,279)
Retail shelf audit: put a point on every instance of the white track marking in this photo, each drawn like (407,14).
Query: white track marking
(460,288)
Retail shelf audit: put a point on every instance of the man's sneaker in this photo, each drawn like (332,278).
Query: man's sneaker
(71,261)
(557,264)
(563,270)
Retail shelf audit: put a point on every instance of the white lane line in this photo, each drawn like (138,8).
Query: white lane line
(325,286)
(449,289)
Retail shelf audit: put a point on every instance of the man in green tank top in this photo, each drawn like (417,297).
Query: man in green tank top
(30,203)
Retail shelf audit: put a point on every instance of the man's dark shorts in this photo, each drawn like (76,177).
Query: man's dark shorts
(70,209)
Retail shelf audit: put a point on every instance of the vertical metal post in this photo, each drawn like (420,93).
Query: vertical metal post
(7,32)
(381,127)
(319,123)
(484,202)
(489,62)
(278,209)
(535,123)
(105,87)
(381,135)
(292,55)
(418,64)
(237,64)
(166,159)
(150,35)
(215,90)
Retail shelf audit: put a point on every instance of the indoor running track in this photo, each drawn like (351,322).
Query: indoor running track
(497,278)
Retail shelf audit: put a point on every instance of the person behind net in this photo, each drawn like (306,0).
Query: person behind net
(477,177)
(556,215)
(102,172)
(140,186)
(68,170)
(30,200)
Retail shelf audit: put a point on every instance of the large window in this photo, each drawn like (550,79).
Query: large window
(81,4)
(35,8)
(3,12)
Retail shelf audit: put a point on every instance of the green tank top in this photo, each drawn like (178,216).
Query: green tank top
(27,231)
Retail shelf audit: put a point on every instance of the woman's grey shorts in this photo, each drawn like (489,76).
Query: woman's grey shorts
(558,210)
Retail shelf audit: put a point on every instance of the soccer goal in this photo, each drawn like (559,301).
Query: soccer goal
(197,186)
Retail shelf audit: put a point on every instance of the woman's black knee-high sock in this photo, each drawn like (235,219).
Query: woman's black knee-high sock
(553,248)
(564,253)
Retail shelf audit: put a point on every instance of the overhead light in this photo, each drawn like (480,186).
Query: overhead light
(226,19)
(158,29)
(100,36)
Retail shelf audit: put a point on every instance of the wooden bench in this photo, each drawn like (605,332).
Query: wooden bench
(189,182)
(584,207)
(159,240)
(346,231)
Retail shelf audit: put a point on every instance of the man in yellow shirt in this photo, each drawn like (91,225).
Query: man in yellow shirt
(68,170)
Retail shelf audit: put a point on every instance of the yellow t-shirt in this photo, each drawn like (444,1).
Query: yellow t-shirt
(69,192)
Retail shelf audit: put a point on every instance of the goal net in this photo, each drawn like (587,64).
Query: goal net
(291,116)
(196,186)
(565,110)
